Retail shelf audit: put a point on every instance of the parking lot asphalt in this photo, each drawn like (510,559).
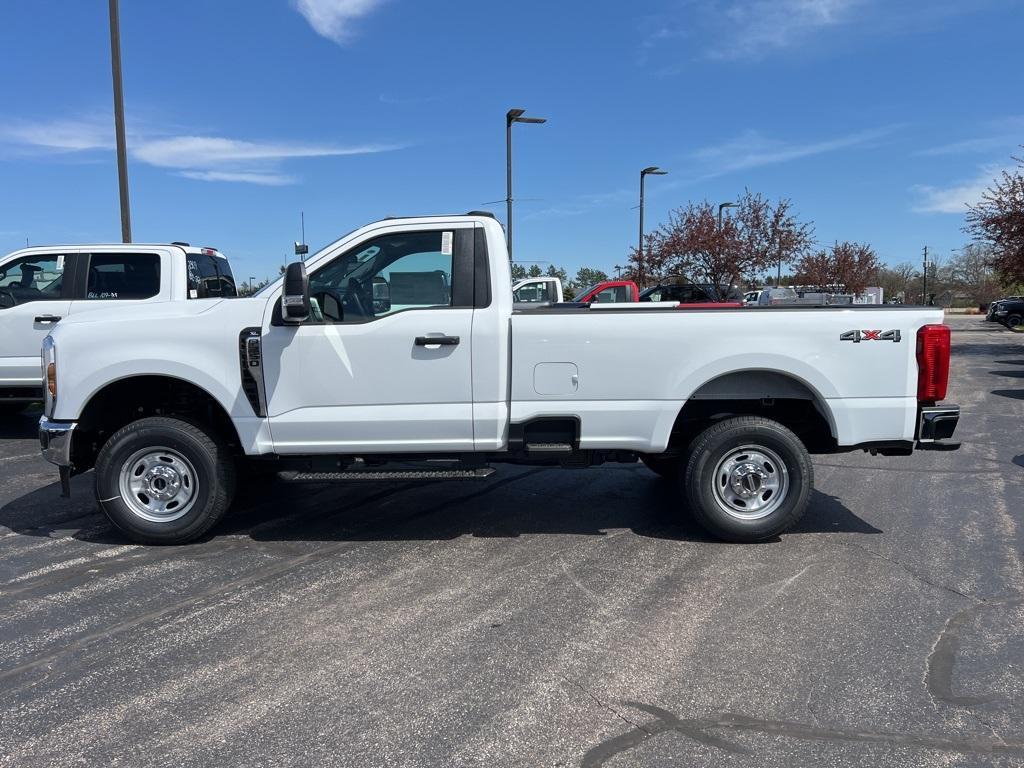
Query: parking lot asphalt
(545,618)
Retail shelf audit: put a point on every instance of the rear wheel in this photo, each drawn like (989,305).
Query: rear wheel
(164,481)
(747,479)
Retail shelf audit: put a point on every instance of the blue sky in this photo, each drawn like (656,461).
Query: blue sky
(879,119)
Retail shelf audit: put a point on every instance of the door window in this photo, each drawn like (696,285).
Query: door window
(123,276)
(392,273)
(612,294)
(32,278)
(533,293)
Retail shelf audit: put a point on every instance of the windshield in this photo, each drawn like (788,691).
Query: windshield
(585,292)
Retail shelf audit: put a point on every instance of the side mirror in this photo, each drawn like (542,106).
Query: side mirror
(295,299)
(381,296)
(6,300)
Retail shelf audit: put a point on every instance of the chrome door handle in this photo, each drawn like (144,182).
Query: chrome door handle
(440,341)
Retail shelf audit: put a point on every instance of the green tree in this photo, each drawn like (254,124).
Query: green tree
(518,271)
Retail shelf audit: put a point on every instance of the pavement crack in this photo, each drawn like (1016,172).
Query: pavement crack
(606,705)
(911,572)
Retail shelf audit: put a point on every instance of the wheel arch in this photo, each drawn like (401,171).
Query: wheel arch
(136,396)
(780,395)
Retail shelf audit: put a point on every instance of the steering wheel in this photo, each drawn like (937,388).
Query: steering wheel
(359,301)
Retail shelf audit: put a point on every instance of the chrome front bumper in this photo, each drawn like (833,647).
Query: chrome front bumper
(55,441)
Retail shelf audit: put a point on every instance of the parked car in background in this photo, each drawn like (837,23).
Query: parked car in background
(537,290)
(609,292)
(692,293)
(1010,312)
(771,297)
(993,307)
(751,297)
(40,286)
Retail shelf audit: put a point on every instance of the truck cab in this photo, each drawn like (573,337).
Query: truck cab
(41,286)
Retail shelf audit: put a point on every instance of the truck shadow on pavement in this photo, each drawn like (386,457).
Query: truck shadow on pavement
(21,426)
(422,511)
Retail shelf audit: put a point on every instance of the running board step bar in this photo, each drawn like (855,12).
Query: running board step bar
(384,475)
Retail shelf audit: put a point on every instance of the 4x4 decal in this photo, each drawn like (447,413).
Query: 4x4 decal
(858,336)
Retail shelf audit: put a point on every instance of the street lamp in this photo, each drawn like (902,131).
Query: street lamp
(513,116)
(122,152)
(651,170)
(721,207)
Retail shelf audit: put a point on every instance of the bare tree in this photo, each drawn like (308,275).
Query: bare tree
(998,220)
(896,281)
(759,234)
(971,272)
(849,266)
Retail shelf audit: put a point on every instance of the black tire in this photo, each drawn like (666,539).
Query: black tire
(665,466)
(1014,321)
(207,471)
(743,442)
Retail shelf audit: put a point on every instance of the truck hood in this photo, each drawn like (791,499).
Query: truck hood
(169,310)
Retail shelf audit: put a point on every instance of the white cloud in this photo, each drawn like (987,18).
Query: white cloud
(60,135)
(216,151)
(764,26)
(752,150)
(245,177)
(204,158)
(333,18)
(1004,134)
(957,198)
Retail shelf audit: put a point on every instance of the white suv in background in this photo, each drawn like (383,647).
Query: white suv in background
(39,286)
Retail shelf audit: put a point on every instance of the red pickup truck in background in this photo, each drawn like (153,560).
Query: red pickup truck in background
(608,291)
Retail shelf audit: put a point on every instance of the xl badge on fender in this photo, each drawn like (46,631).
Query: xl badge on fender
(858,336)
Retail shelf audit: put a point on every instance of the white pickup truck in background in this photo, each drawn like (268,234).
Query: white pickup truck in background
(41,286)
(538,290)
(400,343)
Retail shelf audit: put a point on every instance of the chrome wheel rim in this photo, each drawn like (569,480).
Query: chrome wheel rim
(750,482)
(158,484)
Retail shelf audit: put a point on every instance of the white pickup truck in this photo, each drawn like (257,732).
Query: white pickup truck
(395,352)
(40,286)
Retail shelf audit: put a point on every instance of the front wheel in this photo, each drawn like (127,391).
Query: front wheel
(748,479)
(164,481)
(1014,321)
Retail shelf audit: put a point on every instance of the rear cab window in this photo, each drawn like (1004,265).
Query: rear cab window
(122,276)
(209,276)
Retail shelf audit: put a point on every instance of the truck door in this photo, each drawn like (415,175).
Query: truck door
(383,364)
(34,295)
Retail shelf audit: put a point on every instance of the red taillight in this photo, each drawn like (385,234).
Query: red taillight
(932,362)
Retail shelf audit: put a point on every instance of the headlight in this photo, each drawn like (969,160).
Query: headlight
(49,365)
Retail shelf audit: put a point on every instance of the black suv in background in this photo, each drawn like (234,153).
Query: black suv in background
(1009,312)
(691,293)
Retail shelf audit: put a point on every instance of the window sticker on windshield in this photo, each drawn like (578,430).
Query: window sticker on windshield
(60,263)
(193,293)
(446,243)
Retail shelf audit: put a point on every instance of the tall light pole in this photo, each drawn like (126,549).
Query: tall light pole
(122,151)
(512,116)
(924,279)
(651,170)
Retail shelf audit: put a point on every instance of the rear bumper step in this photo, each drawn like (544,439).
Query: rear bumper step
(935,425)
